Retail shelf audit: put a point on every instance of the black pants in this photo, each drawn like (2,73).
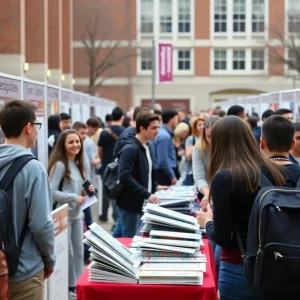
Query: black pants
(162,178)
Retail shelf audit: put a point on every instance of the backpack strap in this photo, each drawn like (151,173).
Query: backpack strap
(264,181)
(241,246)
(112,133)
(194,141)
(8,180)
(13,170)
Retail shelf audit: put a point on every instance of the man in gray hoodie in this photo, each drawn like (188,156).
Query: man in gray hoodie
(31,201)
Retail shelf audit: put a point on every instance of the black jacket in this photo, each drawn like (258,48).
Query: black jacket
(133,175)
(122,139)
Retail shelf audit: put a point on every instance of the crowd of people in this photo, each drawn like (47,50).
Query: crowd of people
(222,153)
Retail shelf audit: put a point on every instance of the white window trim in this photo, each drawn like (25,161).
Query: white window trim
(248,34)
(139,63)
(192,5)
(229,64)
(139,23)
(167,34)
(176,71)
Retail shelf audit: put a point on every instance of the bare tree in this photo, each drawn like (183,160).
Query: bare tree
(286,51)
(104,54)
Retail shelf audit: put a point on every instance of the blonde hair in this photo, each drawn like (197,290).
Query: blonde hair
(180,128)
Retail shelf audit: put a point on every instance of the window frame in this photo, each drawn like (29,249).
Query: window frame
(221,4)
(141,15)
(166,16)
(220,60)
(258,60)
(260,14)
(239,21)
(184,21)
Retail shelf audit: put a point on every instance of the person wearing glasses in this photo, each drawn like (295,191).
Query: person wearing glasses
(34,150)
(31,202)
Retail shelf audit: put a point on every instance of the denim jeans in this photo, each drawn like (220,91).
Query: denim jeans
(88,219)
(217,255)
(105,205)
(233,284)
(189,180)
(127,224)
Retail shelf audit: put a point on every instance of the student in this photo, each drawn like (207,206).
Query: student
(106,144)
(266,114)
(295,152)
(287,113)
(54,130)
(191,141)
(165,162)
(29,210)
(256,130)
(66,165)
(65,121)
(238,111)
(235,168)
(201,158)
(136,175)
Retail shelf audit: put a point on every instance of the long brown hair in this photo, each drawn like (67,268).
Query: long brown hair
(59,153)
(234,147)
(203,144)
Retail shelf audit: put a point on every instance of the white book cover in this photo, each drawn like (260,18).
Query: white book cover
(167,248)
(176,243)
(171,274)
(182,235)
(154,208)
(173,267)
(166,259)
(171,222)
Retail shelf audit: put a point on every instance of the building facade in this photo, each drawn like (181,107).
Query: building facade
(36,40)
(221,48)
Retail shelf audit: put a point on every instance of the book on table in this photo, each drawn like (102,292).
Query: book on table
(173,267)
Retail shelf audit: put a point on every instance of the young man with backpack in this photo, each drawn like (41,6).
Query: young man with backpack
(26,204)
(135,174)
(107,141)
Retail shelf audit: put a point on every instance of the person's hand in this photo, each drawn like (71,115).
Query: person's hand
(154,199)
(204,202)
(173,181)
(48,271)
(181,152)
(91,189)
(161,188)
(80,200)
(204,216)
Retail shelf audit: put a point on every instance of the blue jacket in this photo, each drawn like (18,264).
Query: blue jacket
(165,152)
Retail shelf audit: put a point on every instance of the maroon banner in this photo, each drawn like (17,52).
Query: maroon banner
(165,63)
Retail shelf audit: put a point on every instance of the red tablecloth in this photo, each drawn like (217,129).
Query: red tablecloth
(113,291)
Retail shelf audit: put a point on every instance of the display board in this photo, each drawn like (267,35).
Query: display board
(34,93)
(76,111)
(9,89)
(66,102)
(58,283)
(52,100)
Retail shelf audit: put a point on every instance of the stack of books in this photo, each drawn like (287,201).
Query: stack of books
(159,218)
(179,198)
(170,256)
(111,261)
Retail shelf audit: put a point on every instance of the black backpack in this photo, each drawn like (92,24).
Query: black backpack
(272,259)
(9,244)
(111,181)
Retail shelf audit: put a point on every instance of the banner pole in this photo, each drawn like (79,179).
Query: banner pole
(153,74)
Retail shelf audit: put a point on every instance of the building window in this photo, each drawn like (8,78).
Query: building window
(220,16)
(239,15)
(184,60)
(292,64)
(220,60)
(165,13)
(239,60)
(258,15)
(147,16)
(184,16)
(146,59)
(294,15)
(258,59)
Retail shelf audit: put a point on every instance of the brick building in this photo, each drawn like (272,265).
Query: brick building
(36,40)
(221,48)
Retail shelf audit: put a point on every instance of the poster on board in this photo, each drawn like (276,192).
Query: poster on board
(52,100)
(9,89)
(34,93)
(66,102)
(58,282)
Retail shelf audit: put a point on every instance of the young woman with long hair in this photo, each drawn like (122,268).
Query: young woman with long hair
(234,174)
(66,173)
(197,125)
(201,158)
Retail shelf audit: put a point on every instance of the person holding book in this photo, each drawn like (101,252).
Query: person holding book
(66,174)
(136,176)
(234,173)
